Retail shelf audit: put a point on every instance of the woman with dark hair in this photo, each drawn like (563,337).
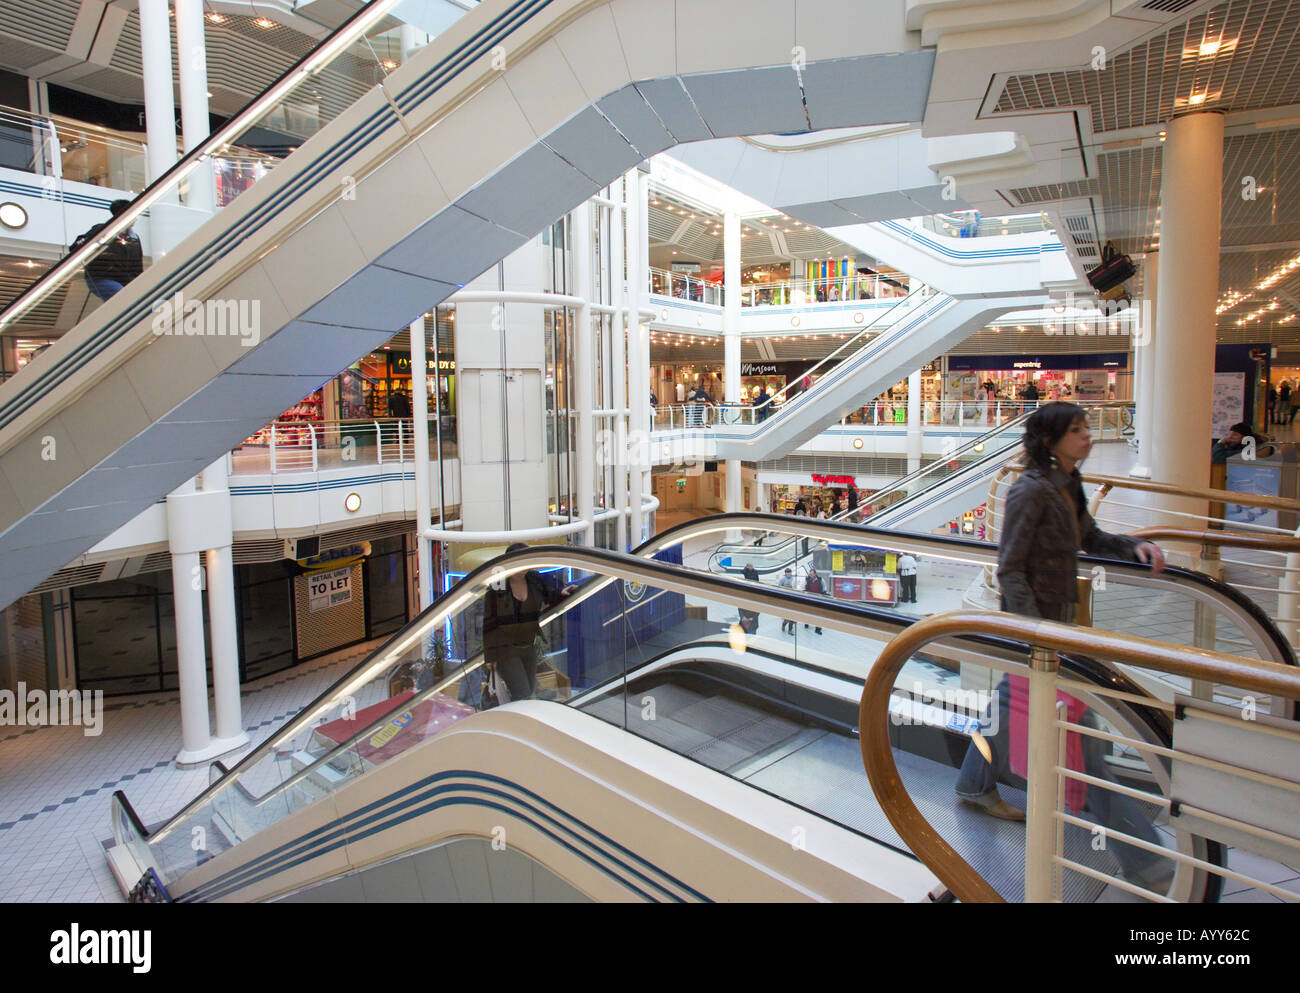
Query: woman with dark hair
(1047,524)
(511,625)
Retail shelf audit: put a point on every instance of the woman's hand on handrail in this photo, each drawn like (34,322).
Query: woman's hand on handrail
(1149,553)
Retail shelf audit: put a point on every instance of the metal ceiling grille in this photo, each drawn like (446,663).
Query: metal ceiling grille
(47,24)
(838,464)
(1024,195)
(1253,67)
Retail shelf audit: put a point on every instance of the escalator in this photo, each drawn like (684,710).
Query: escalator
(410,189)
(919,501)
(894,344)
(671,756)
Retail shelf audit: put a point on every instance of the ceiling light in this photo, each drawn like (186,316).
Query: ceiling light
(1209,47)
(352,503)
(389,64)
(1196,98)
(216,18)
(264,22)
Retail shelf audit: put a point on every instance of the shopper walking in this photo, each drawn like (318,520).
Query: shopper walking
(787,582)
(749,618)
(1294,404)
(813,584)
(907,577)
(1047,525)
(1283,402)
(1270,410)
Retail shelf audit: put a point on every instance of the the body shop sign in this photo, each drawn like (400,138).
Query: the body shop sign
(329,589)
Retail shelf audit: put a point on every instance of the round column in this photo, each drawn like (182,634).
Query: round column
(914,421)
(159,104)
(191,53)
(1190,189)
(1144,375)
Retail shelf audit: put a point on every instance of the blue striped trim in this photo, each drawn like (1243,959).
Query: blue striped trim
(313,485)
(54,194)
(937,247)
(276,204)
(429,794)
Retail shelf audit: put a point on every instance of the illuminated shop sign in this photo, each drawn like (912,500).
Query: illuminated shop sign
(832,480)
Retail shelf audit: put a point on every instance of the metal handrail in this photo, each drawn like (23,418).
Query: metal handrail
(301,72)
(873,711)
(848,345)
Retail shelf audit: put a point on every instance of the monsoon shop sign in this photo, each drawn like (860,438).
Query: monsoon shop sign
(330,589)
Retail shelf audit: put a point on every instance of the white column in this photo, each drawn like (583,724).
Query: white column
(412,39)
(220,581)
(731,307)
(159,101)
(914,421)
(193,63)
(1190,190)
(734,486)
(187,607)
(191,665)
(618,363)
(643,330)
(420,411)
(637,373)
(1144,373)
(584,372)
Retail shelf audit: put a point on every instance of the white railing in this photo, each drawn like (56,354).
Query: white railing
(969,224)
(810,292)
(683,287)
(309,446)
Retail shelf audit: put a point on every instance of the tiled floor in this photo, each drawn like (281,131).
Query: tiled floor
(56,783)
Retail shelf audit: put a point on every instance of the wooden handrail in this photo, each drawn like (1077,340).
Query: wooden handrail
(1150,486)
(1222,539)
(873,712)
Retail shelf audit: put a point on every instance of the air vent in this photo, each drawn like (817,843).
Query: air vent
(81,575)
(1168,6)
(1054,191)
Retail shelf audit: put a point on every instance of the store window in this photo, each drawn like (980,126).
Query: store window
(125,635)
(386,586)
(264,594)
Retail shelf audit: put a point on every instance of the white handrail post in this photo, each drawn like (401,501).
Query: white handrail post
(272,448)
(315,463)
(401,447)
(1040,828)
(379,443)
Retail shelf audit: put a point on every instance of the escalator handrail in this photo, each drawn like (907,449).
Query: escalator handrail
(352,29)
(1282,544)
(903,481)
(1097,405)
(1242,610)
(886,783)
(861,619)
(826,358)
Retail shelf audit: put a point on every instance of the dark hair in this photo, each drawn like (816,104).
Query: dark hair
(1046,426)
(118,206)
(1241,427)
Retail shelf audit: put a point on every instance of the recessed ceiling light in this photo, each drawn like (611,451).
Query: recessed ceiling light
(1209,47)
(1196,98)
(216,18)
(264,22)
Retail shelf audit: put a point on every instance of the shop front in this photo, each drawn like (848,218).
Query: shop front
(833,493)
(1084,378)
(124,632)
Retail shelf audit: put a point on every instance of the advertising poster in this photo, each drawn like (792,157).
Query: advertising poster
(1229,404)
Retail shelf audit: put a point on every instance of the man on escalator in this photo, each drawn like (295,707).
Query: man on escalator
(120,261)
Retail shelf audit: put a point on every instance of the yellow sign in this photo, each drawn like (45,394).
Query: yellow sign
(389,731)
